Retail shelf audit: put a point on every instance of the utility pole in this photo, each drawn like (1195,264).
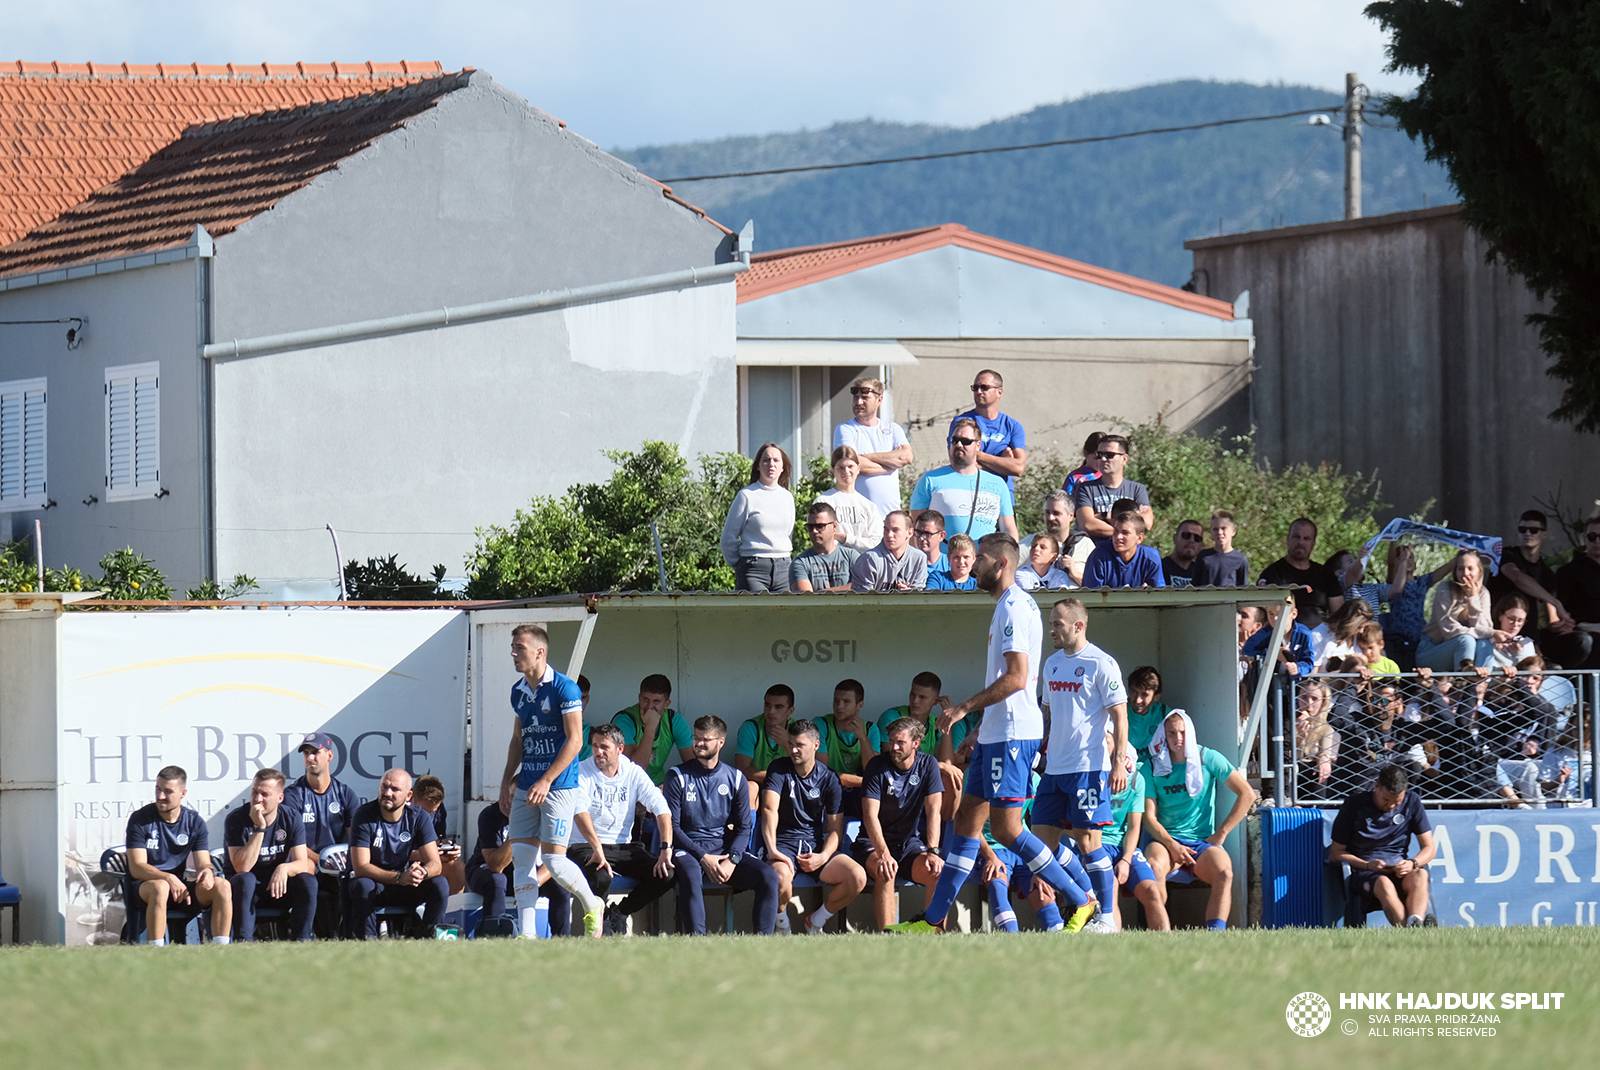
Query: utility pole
(1355,95)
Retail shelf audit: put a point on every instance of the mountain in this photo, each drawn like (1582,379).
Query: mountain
(1127,205)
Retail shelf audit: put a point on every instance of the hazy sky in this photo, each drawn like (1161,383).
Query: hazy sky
(625,74)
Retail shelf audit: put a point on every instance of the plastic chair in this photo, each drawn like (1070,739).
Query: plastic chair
(179,915)
(11,899)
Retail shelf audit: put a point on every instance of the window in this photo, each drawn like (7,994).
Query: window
(22,444)
(133,431)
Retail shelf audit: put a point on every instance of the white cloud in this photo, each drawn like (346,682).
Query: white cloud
(631,73)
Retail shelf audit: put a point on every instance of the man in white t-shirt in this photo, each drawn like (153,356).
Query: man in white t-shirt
(1000,772)
(614,785)
(1083,689)
(881,444)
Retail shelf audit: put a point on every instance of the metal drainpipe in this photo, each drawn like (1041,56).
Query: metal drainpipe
(483,310)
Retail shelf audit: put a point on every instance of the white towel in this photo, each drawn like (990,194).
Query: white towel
(1194,776)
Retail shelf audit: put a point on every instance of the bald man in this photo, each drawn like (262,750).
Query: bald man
(384,836)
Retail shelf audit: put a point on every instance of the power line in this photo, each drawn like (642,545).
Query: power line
(996,149)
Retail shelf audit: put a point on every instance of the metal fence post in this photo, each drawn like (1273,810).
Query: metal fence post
(1593,703)
(1278,685)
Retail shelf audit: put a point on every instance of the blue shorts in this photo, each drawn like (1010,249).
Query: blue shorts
(1002,773)
(905,853)
(1020,877)
(1073,801)
(1139,869)
(1199,847)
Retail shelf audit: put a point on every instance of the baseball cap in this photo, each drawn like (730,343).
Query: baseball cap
(318,741)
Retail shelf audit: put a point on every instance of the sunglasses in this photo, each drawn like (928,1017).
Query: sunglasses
(1529,531)
(1189,536)
(863,392)
(1104,456)
(965,441)
(927,534)
(1591,536)
(819,526)
(978,388)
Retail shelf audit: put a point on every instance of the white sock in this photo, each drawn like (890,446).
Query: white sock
(565,872)
(157,943)
(524,863)
(1415,919)
(820,916)
(222,939)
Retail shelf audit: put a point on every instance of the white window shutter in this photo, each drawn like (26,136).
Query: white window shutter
(22,444)
(133,431)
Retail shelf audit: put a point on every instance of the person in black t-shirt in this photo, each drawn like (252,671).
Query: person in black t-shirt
(268,862)
(1181,566)
(1372,835)
(1317,592)
(802,826)
(164,839)
(1524,571)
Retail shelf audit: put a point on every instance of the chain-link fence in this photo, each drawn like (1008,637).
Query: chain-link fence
(1477,738)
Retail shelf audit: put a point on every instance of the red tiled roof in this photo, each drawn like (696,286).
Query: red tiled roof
(785,269)
(219,176)
(67,129)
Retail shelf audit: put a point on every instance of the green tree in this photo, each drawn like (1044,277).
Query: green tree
(1510,104)
(131,576)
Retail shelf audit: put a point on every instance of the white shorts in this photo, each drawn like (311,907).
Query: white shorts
(550,822)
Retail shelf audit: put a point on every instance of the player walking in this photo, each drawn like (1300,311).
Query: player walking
(1083,688)
(539,787)
(999,772)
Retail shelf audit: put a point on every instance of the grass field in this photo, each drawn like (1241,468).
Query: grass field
(1188,999)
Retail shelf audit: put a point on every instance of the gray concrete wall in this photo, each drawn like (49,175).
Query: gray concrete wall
(480,197)
(1063,388)
(148,314)
(1390,345)
(408,443)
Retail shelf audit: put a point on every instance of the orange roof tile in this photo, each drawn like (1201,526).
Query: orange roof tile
(67,129)
(218,176)
(785,269)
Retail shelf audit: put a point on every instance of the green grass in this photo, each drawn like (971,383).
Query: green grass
(1187,999)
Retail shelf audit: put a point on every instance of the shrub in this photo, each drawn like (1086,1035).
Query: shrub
(131,576)
(384,579)
(1191,475)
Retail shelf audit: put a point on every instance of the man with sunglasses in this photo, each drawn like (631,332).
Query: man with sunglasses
(1181,567)
(1524,571)
(1092,501)
(1004,443)
(881,445)
(1578,587)
(826,565)
(973,502)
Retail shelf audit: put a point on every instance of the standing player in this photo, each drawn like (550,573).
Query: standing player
(542,767)
(1083,687)
(998,775)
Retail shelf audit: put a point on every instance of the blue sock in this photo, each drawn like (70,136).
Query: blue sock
(1050,917)
(1000,912)
(1104,877)
(1032,850)
(959,859)
(1217,923)
(1067,857)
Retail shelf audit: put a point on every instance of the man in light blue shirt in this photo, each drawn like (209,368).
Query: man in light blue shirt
(972,501)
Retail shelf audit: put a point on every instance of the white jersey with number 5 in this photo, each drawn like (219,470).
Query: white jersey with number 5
(1016,626)
(1080,689)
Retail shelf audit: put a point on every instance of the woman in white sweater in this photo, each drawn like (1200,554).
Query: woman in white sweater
(757,537)
(860,519)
